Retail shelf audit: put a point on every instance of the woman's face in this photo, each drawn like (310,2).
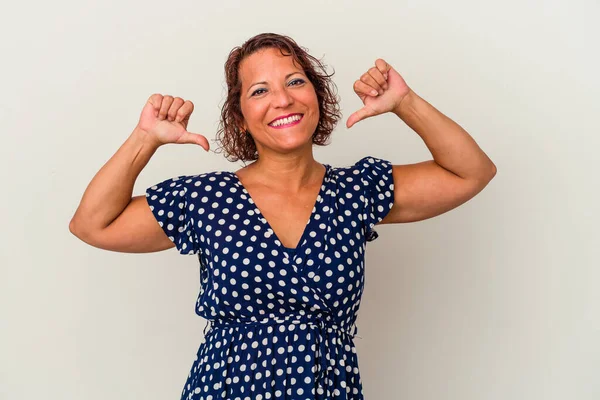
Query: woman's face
(272,88)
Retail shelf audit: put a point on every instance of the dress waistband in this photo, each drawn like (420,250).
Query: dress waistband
(324,322)
(327,351)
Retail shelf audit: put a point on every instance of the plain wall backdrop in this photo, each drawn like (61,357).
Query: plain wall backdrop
(497,299)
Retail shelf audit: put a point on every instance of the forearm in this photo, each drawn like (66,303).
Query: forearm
(451,146)
(110,191)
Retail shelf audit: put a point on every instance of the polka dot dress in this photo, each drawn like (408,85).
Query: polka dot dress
(281,321)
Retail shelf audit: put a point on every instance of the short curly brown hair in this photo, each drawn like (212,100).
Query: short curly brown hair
(239,145)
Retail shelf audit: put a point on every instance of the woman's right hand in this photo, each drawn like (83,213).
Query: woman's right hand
(164,119)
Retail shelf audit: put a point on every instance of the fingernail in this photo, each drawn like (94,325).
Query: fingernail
(385,76)
(374,92)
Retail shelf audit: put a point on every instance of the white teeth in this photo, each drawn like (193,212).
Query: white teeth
(286,120)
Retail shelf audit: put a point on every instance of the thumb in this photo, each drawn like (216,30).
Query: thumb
(358,116)
(194,138)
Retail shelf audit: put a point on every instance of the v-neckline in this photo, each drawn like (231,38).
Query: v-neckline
(278,241)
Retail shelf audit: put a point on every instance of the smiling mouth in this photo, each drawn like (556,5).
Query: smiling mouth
(287,122)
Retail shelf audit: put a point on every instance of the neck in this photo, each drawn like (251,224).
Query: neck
(290,174)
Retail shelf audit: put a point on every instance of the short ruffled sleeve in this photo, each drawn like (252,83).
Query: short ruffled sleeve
(172,208)
(376,175)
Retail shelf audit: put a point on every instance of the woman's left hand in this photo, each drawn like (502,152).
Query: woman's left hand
(381,90)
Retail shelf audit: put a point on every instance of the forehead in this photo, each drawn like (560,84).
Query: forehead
(266,63)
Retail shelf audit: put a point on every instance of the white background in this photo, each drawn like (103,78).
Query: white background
(497,299)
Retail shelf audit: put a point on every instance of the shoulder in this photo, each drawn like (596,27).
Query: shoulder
(191,185)
(365,168)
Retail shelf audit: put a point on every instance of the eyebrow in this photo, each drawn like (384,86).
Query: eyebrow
(264,83)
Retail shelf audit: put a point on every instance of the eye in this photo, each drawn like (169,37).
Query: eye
(256,91)
(297,80)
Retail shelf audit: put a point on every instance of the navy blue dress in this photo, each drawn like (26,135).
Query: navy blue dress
(281,321)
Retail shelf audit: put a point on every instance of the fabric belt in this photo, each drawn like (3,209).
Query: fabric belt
(326,351)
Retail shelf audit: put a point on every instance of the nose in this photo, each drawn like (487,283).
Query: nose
(282,98)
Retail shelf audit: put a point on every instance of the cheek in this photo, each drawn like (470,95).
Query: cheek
(252,112)
(308,97)
(316,106)
(315,102)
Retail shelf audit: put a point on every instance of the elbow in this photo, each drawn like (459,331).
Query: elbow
(487,178)
(73,227)
(76,229)
(81,230)
(484,177)
(493,171)
(488,171)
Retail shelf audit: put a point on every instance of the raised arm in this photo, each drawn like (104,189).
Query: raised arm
(108,217)
(459,169)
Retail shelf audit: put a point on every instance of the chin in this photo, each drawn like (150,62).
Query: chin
(294,142)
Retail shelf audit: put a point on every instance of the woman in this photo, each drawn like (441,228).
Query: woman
(281,241)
